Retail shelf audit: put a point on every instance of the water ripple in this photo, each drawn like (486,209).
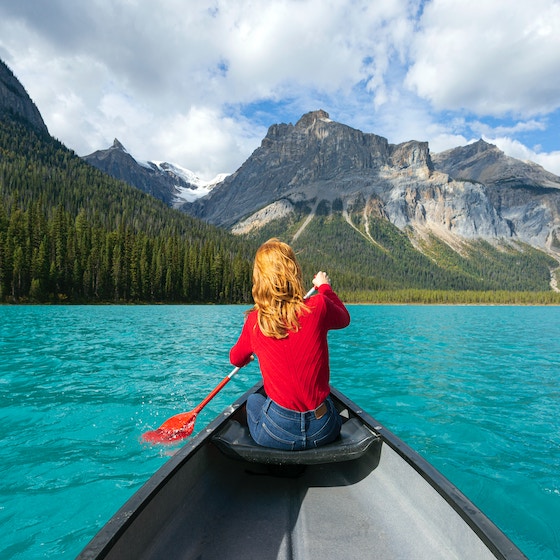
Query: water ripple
(476,390)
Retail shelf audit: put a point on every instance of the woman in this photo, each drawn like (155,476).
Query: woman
(289,337)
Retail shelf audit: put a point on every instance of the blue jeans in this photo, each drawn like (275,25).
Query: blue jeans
(271,425)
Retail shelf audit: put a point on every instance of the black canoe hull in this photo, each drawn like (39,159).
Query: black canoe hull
(382,501)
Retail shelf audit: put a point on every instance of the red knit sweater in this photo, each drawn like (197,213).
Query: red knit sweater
(295,369)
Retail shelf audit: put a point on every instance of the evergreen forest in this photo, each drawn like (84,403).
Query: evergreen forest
(69,233)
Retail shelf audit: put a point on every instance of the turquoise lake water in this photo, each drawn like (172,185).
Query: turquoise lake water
(475,390)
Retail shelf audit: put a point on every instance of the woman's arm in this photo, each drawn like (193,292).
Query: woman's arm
(337,314)
(242,352)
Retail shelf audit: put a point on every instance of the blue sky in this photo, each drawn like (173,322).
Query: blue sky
(198,82)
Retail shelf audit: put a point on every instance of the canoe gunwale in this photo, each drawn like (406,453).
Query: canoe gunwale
(493,538)
(102,543)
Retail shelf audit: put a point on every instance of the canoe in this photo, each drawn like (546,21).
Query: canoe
(366,495)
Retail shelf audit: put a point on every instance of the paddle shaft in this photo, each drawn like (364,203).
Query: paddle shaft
(216,390)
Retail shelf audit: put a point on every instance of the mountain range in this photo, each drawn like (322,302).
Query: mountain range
(320,167)
(380,216)
(468,193)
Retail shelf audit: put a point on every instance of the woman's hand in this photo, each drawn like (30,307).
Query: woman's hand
(320,279)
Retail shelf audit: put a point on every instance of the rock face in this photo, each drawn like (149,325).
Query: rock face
(487,164)
(15,103)
(475,192)
(523,194)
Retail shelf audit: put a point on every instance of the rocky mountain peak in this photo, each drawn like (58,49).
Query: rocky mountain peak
(486,163)
(16,104)
(309,119)
(169,182)
(118,146)
(321,158)
(479,147)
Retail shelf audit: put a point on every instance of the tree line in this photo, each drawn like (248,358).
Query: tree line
(70,233)
(451,297)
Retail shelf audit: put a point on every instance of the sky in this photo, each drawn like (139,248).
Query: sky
(198,82)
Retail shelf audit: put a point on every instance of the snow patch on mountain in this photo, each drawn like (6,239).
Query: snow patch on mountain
(189,186)
(169,182)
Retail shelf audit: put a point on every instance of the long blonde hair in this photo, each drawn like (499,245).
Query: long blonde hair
(277,289)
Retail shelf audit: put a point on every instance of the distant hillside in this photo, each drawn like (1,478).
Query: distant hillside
(71,233)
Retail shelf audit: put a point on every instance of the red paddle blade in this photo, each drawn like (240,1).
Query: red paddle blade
(176,428)
(181,425)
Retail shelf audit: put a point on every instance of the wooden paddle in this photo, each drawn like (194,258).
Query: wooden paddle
(181,425)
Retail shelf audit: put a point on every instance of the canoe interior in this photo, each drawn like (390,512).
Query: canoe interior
(204,504)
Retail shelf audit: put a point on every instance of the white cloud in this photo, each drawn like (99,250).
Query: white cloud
(207,136)
(550,161)
(488,57)
(482,128)
(198,82)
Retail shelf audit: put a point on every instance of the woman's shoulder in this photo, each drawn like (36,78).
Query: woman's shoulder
(251,315)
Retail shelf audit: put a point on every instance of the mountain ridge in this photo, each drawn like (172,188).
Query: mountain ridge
(168,182)
(494,197)
(486,163)
(320,159)
(319,167)
(15,103)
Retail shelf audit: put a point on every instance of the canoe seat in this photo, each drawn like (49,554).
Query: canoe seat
(355,439)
